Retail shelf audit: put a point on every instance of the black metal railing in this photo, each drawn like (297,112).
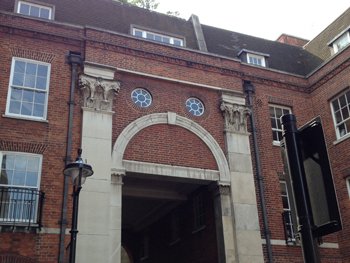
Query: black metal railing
(21,206)
(288,226)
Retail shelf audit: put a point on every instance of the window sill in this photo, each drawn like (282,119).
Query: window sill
(198,229)
(341,139)
(276,143)
(24,118)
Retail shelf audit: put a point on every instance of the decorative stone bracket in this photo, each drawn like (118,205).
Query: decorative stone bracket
(235,116)
(98,93)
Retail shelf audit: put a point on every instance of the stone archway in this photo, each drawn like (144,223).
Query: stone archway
(172,119)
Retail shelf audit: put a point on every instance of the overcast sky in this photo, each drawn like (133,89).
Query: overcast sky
(266,19)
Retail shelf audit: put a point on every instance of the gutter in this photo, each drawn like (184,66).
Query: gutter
(248,87)
(74,59)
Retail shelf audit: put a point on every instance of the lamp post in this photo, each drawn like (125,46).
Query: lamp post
(77,172)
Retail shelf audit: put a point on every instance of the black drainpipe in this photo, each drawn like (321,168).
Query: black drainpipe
(248,87)
(74,59)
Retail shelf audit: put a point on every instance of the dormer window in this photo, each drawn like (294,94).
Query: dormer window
(340,41)
(158,36)
(254,58)
(35,9)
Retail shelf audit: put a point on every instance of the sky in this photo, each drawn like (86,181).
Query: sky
(266,19)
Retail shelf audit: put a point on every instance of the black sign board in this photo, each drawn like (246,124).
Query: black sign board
(319,179)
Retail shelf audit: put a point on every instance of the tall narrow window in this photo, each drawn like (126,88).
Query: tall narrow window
(198,212)
(275,114)
(341,116)
(28,89)
(19,186)
(287,215)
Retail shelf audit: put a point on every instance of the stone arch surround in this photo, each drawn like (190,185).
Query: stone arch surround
(172,119)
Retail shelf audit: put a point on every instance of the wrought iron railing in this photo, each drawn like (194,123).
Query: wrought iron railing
(21,206)
(288,226)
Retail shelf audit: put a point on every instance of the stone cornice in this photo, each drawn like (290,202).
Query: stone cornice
(9,29)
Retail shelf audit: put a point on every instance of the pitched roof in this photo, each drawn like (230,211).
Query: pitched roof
(284,57)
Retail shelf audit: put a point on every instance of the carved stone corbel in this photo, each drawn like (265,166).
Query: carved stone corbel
(235,117)
(98,93)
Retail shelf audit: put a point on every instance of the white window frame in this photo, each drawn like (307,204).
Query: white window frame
(262,58)
(19,3)
(274,142)
(343,122)
(171,38)
(288,210)
(7,113)
(340,39)
(37,187)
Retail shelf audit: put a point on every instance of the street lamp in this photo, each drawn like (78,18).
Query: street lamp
(77,172)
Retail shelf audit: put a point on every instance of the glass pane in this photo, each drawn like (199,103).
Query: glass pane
(24,9)
(33,164)
(285,111)
(166,40)
(279,124)
(347,124)
(335,105)
(38,110)
(31,69)
(41,83)
(6,177)
(29,81)
(272,112)
(342,101)
(338,117)
(273,123)
(19,66)
(177,42)
(34,11)
(283,189)
(342,131)
(15,107)
(274,134)
(8,161)
(45,13)
(18,178)
(149,36)
(348,96)
(138,33)
(16,94)
(20,163)
(345,113)
(42,71)
(279,136)
(27,108)
(18,79)
(28,95)
(278,112)
(158,38)
(32,179)
(285,202)
(39,97)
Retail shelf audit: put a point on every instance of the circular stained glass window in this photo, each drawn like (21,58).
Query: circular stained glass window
(195,106)
(141,97)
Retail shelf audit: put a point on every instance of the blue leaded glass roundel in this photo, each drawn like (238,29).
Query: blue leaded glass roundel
(141,97)
(195,106)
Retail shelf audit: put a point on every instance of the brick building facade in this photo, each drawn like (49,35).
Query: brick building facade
(160,107)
